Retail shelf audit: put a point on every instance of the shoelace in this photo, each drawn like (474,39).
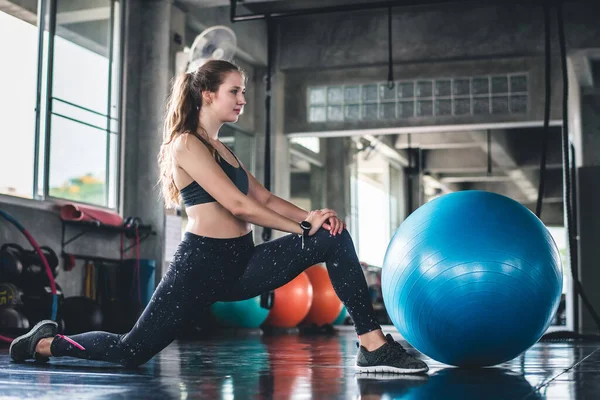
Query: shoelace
(390,340)
(395,345)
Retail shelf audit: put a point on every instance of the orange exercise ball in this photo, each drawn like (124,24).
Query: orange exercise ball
(291,303)
(326,305)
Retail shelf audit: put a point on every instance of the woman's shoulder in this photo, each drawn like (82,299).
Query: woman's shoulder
(188,142)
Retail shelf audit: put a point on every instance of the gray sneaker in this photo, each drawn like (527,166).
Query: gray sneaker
(23,347)
(391,357)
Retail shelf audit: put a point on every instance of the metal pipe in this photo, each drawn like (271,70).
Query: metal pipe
(332,9)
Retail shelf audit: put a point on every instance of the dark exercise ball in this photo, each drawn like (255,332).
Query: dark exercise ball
(12,321)
(81,314)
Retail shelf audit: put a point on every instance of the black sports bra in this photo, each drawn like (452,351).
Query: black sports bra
(194,194)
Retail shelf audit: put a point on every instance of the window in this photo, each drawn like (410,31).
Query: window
(422,98)
(73,152)
(18,75)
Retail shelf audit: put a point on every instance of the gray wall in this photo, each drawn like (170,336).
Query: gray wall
(432,34)
(299,80)
(588,199)
(45,227)
(437,41)
(146,85)
(146,80)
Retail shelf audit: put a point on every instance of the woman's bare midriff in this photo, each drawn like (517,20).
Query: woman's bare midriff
(210,219)
(214,220)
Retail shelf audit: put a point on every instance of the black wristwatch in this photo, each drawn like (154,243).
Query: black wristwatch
(306,227)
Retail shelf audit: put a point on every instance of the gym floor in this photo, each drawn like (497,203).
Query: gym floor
(258,366)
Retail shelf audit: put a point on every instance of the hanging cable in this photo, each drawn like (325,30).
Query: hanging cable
(548,92)
(266,233)
(567,183)
(489,152)
(390,61)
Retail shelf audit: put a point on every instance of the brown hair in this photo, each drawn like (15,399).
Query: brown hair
(182,116)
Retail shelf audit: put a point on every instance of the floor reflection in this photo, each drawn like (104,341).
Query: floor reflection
(248,365)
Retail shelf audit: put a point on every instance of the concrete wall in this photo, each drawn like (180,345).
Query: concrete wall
(251,35)
(588,199)
(146,87)
(430,34)
(299,80)
(45,227)
(146,80)
(430,42)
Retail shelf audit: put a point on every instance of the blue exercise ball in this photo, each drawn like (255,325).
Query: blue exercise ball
(249,314)
(472,279)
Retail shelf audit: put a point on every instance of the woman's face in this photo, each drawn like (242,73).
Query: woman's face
(228,102)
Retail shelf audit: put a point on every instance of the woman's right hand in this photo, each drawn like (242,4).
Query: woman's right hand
(317,218)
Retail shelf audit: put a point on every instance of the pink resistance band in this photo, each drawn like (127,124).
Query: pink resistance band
(74,343)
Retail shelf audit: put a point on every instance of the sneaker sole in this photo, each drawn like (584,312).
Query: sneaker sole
(385,368)
(29,334)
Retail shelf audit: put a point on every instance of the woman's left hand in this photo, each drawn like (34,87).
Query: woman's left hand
(334,225)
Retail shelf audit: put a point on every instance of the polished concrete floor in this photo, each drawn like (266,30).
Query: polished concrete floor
(251,366)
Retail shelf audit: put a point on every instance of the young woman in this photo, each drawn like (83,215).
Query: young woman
(217,259)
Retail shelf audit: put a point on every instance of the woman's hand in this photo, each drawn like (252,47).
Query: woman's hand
(317,218)
(334,225)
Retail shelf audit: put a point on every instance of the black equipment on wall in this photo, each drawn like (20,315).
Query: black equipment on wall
(271,32)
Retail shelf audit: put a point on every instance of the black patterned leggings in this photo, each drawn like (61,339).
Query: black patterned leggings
(205,270)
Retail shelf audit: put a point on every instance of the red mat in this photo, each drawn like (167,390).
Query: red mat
(77,212)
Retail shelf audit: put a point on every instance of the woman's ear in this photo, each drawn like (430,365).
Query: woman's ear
(207,97)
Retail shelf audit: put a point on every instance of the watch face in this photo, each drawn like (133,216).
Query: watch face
(305,225)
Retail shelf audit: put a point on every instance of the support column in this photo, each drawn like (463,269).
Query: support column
(588,204)
(337,176)
(147,70)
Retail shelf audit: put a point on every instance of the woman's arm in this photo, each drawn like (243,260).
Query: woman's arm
(283,207)
(258,192)
(286,208)
(195,159)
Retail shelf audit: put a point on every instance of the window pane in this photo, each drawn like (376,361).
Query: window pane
(424,89)
(518,104)
(352,94)
(335,113)
(462,87)
(77,162)
(387,110)
(443,88)
(112,184)
(500,105)
(369,112)
(318,96)
(462,106)
(481,86)
(18,77)
(335,95)
(424,108)
(80,103)
(443,107)
(385,93)
(500,84)
(352,113)
(406,90)
(481,105)
(115,103)
(369,93)
(81,54)
(72,111)
(406,109)
(317,114)
(518,83)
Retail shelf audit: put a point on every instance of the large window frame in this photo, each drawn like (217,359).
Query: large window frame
(44,99)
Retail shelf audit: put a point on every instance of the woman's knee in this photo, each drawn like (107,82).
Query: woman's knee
(324,236)
(132,359)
